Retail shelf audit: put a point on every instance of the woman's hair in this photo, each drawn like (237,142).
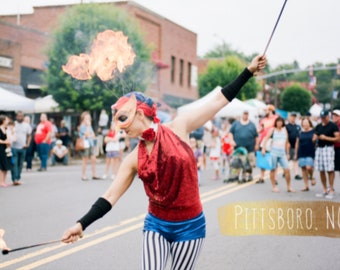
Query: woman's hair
(309,121)
(82,116)
(278,120)
(2,118)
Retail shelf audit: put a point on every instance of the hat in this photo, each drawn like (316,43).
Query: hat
(59,142)
(336,112)
(324,113)
(271,107)
(308,114)
(293,113)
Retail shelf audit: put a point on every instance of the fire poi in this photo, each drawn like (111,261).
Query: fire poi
(110,51)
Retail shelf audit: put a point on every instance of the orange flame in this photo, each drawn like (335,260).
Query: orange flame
(109,51)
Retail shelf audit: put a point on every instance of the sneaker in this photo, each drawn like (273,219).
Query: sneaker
(321,195)
(298,177)
(104,176)
(329,196)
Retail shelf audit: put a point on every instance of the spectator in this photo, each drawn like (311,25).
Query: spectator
(59,153)
(103,120)
(336,120)
(198,156)
(42,139)
(86,132)
(278,151)
(306,152)
(326,135)
(265,125)
(215,152)
(244,134)
(30,151)
(5,161)
(113,153)
(64,133)
(23,139)
(293,133)
(54,133)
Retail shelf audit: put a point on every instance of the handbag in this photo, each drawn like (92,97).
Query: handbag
(264,161)
(80,144)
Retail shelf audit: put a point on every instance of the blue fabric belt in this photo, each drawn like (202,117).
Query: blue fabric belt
(177,231)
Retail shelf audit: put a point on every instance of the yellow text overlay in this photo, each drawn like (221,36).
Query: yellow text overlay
(288,218)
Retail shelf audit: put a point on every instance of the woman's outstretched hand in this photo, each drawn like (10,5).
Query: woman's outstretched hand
(258,63)
(73,234)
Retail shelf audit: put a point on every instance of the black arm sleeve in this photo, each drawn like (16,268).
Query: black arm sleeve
(98,210)
(231,90)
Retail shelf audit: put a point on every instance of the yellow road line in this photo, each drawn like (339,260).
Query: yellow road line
(205,197)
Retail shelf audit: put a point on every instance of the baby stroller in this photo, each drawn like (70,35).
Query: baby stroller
(239,166)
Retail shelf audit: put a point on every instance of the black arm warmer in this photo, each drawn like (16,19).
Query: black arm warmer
(231,90)
(98,210)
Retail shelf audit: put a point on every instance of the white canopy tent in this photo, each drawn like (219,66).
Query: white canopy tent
(45,104)
(233,109)
(13,102)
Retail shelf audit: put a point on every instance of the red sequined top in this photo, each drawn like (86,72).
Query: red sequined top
(169,175)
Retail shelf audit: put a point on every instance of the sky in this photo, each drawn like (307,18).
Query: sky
(308,31)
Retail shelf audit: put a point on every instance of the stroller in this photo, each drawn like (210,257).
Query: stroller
(239,166)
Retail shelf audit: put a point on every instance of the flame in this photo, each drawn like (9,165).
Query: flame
(3,244)
(109,51)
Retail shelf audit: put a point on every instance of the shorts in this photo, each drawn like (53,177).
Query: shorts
(88,152)
(113,154)
(282,160)
(324,159)
(291,153)
(252,159)
(177,231)
(306,161)
(337,159)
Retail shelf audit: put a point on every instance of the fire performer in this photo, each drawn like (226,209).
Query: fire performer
(164,161)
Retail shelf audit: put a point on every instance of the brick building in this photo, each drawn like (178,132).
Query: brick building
(24,37)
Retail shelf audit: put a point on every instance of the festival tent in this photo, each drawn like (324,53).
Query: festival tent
(258,104)
(233,110)
(45,104)
(14,102)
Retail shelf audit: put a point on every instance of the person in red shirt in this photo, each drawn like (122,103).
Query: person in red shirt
(42,139)
(265,125)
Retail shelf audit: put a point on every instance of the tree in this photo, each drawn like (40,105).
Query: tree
(296,98)
(220,73)
(77,29)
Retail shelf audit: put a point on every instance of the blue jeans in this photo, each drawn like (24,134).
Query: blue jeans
(55,159)
(18,157)
(43,150)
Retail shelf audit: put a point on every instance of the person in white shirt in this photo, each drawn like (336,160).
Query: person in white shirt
(59,153)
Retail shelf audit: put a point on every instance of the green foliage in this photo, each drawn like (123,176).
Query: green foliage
(220,73)
(77,29)
(296,98)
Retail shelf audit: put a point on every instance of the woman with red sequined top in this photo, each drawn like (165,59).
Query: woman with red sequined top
(164,161)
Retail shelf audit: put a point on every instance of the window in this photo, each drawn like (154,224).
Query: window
(181,72)
(173,68)
(189,75)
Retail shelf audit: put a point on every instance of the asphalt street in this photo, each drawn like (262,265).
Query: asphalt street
(47,203)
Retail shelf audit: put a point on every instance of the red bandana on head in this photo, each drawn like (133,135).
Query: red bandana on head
(125,109)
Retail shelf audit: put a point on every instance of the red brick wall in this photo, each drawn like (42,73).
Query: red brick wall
(166,37)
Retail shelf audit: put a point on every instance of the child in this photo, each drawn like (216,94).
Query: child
(113,153)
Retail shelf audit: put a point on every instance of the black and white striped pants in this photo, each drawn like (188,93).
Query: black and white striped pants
(156,251)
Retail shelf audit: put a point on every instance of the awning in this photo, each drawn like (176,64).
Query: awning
(13,102)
